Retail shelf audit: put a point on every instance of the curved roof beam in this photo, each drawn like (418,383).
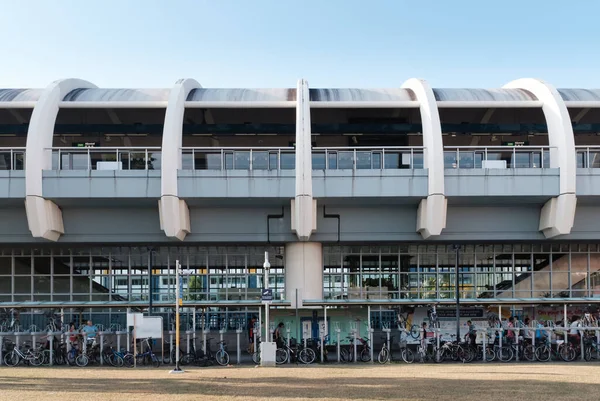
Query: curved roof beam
(303,206)
(431,215)
(44,216)
(173,212)
(558,214)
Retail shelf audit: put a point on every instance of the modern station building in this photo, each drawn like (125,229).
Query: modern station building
(363,198)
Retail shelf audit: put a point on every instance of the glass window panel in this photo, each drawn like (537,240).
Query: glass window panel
(288,161)
(345,160)
(333,161)
(318,161)
(260,160)
(242,160)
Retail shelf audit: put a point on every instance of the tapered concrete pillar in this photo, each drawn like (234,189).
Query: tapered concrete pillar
(303,271)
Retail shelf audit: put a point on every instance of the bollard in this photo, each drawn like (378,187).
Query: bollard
(238,333)
(52,348)
(485,345)
(171,345)
(322,345)
(204,335)
(101,347)
(187,339)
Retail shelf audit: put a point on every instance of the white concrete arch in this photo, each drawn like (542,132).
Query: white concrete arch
(173,212)
(431,215)
(558,214)
(304,209)
(44,216)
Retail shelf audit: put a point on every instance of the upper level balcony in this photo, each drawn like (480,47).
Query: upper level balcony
(237,172)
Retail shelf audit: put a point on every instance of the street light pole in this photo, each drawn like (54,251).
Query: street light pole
(457,291)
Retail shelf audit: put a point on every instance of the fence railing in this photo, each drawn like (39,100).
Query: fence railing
(497,157)
(588,156)
(106,158)
(366,158)
(12,158)
(238,158)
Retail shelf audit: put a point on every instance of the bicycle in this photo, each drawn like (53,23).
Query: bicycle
(146,357)
(387,355)
(299,354)
(30,356)
(363,350)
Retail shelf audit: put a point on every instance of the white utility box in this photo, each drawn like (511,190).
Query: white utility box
(267,354)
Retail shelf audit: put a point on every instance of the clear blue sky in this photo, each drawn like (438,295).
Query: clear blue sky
(272,43)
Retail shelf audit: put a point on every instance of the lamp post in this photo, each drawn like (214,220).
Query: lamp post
(457,292)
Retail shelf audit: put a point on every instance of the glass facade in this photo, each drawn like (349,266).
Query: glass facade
(428,272)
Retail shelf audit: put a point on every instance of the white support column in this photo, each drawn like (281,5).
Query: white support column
(303,271)
(558,214)
(173,212)
(304,208)
(431,214)
(44,217)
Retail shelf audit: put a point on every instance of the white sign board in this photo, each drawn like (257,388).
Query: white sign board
(109,166)
(131,317)
(150,327)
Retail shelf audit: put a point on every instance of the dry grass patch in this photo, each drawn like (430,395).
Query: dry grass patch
(472,382)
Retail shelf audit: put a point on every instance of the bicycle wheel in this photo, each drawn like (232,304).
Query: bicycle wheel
(128,360)
(505,354)
(365,355)
(384,356)
(256,358)
(116,360)
(82,361)
(542,353)
(36,358)
(407,355)
(588,355)
(155,361)
(529,353)
(567,353)
(46,357)
(222,357)
(307,356)
(12,359)
(490,355)
(281,356)
(345,355)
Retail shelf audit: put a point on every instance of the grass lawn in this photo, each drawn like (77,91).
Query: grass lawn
(476,382)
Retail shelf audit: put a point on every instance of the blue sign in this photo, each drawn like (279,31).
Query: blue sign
(180,289)
(267,294)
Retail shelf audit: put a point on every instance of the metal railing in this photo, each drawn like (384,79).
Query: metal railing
(238,158)
(106,158)
(367,158)
(501,157)
(588,156)
(12,158)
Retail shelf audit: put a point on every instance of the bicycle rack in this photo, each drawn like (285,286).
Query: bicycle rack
(205,333)
(223,330)
(354,333)
(371,342)
(337,330)
(238,331)
(385,327)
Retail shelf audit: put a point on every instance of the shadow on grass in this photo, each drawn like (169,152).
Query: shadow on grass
(403,388)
